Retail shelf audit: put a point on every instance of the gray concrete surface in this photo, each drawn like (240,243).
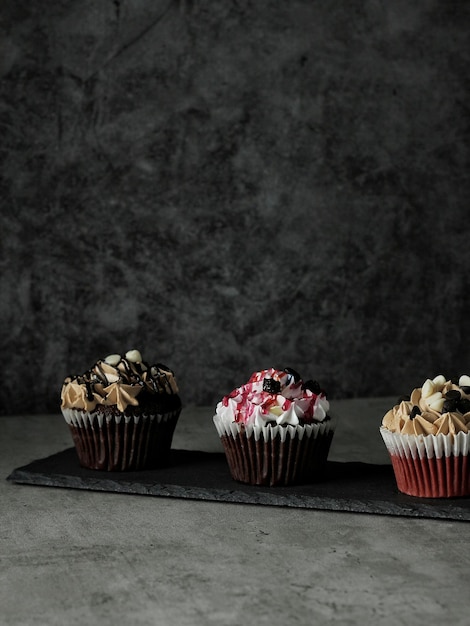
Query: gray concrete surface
(77,557)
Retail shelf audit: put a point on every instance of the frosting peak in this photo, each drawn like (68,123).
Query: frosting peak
(117,380)
(438,407)
(275,396)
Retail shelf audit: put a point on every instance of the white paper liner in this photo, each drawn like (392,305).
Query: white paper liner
(81,418)
(272,455)
(425,446)
(270,432)
(121,442)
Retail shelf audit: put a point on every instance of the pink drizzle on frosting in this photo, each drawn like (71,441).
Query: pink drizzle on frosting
(291,402)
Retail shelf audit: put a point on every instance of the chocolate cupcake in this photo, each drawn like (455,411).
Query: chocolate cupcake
(275,429)
(428,439)
(122,413)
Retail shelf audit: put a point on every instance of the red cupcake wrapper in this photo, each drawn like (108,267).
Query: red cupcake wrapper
(430,466)
(446,477)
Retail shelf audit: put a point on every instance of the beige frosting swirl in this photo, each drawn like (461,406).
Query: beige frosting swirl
(438,407)
(118,381)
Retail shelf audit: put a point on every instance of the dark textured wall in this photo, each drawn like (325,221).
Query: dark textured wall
(233,185)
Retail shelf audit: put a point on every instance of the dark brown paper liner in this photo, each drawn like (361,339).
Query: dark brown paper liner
(272,462)
(125,446)
(446,477)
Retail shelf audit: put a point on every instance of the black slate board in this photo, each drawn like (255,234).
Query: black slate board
(352,487)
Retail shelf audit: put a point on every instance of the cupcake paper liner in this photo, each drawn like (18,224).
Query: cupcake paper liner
(275,455)
(430,466)
(121,442)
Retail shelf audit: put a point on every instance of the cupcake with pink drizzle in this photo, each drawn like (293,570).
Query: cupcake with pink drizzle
(428,439)
(275,429)
(122,413)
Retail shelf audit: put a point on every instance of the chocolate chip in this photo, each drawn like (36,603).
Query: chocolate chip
(450,406)
(313,386)
(414,412)
(271,386)
(453,394)
(403,399)
(463,405)
(465,389)
(293,373)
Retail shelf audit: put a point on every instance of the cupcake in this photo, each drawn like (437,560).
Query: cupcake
(122,413)
(275,429)
(428,438)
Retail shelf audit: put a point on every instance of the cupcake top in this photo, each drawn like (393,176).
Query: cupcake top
(118,381)
(278,397)
(438,407)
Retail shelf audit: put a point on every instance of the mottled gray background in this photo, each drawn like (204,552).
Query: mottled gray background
(233,185)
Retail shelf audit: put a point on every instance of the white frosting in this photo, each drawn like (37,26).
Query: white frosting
(273,397)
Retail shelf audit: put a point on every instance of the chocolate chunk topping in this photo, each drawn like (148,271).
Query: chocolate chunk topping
(403,399)
(466,390)
(463,406)
(414,412)
(313,386)
(450,406)
(453,394)
(293,373)
(271,386)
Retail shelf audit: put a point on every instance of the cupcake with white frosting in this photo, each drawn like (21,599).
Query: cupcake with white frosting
(428,439)
(122,413)
(275,429)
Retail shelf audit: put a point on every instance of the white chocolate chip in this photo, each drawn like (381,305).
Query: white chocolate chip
(464,381)
(112,359)
(437,396)
(439,381)
(134,356)
(427,389)
(437,405)
(112,378)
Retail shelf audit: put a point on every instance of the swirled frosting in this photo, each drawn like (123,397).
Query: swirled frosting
(438,407)
(117,381)
(275,396)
